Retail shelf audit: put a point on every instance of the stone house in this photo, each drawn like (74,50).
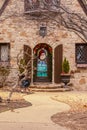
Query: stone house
(23,27)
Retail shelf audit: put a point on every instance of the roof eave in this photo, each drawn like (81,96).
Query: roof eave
(83,5)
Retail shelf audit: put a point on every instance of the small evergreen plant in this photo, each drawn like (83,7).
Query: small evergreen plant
(65,66)
(22,65)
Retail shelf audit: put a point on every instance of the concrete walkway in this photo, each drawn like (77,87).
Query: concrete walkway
(35,117)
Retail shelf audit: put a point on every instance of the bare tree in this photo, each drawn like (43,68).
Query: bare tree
(24,61)
(62,16)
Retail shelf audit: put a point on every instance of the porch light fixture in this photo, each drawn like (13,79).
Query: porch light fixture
(43,30)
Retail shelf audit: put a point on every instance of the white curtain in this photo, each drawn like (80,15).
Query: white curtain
(4,53)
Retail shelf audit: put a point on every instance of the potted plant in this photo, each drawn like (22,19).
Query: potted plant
(65,75)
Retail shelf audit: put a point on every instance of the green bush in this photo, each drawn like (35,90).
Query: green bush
(65,66)
(22,65)
(4,72)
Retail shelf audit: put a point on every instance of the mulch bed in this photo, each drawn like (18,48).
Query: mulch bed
(73,120)
(13,104)
(16,101)
(76,117)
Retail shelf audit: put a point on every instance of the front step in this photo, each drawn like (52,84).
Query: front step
(51,89)
(45,87)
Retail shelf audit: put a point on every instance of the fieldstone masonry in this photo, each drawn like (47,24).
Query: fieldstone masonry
(19,30)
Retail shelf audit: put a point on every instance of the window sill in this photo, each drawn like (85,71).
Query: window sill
(4,63)
(82,65)
(38,11)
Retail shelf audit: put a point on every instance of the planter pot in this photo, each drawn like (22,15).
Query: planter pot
(65,78)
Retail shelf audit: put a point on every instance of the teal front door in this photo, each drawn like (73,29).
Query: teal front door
(42,64)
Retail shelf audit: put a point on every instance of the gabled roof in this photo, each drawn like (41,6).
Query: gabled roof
(3,5)
(83,3)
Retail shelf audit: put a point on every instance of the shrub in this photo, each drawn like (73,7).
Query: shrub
(65,66)
(4,72)
(22,65)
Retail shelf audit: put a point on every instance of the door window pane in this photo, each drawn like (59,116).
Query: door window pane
(42,63)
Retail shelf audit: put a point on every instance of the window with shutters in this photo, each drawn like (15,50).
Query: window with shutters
(81,55)
(4,53)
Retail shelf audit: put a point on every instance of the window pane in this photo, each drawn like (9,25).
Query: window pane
(81,53)
(48,1)
(4,53)
(31,5)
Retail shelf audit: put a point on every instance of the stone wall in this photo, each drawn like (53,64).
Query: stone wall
(19,31)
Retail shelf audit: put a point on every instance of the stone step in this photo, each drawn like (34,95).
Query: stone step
(51,89)
(47,86)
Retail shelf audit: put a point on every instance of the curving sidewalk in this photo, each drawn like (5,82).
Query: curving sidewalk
(35,117)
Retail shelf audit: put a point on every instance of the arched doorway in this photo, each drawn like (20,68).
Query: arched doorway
(42,63)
